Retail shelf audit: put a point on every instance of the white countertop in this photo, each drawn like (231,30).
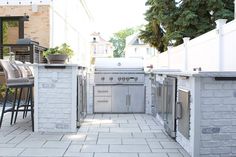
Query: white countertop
(55,65)
(200,74)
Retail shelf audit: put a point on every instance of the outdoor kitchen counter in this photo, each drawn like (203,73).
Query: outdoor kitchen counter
(207,124)
(55,97)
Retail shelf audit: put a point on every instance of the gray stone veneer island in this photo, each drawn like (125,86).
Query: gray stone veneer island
(55,97)
(212,112)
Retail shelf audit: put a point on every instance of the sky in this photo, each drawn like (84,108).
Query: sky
(110,16)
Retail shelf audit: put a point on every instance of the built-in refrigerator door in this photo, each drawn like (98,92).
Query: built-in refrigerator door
(79,99)
(160,99)
(84,96)
(136,99)
(169,110)
(119,99)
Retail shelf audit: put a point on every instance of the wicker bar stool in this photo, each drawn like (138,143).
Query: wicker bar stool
(14,79)
(26,73)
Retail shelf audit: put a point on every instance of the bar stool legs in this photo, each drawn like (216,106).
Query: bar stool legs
(4,106)
(27,100)
(14,105)
(18,105)
(15,109)
(32,107)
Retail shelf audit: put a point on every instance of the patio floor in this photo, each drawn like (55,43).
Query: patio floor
(101,135)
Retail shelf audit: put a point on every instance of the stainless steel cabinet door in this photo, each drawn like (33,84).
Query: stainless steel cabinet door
(136,94)
(119,98)
(169,110)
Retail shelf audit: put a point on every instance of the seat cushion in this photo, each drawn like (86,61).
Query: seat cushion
(20,82)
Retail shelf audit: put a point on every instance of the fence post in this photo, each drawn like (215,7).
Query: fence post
(169,54)
(235,9)
(219,24)
(186,40)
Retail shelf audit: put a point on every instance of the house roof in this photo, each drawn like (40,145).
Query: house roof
(99,38)
(133,40)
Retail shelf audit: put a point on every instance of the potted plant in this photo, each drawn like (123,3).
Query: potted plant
(58,54)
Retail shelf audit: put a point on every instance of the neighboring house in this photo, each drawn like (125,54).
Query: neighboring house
(135,47)
(48,22)
(100,48)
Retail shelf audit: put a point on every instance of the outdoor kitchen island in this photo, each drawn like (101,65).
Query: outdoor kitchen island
(203,118)
(55,97)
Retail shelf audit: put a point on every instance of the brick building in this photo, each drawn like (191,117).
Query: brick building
(48,22)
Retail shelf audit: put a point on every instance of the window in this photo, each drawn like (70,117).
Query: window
(135,50)
(10,32)
(11,29)
(148,51)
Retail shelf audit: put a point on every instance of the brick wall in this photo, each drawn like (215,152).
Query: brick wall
(38,26)
(55,99)
(218,118)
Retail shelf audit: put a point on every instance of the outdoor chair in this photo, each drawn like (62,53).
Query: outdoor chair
(26,73)
(16,79)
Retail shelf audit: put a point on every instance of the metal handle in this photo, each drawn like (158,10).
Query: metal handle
(129,96)
(102,101)
(178,110)
(127,100)
(102,91)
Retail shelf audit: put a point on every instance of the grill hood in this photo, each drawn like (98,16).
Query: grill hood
(118,63)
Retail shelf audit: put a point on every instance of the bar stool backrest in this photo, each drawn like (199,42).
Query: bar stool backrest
(29,69)
(11,71)
(22,68)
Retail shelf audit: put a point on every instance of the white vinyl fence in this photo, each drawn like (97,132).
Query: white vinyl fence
(212,51)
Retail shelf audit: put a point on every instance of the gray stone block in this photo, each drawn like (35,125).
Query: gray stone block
(211,130)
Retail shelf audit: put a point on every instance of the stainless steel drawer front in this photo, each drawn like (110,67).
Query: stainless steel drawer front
(102,104)
(102,91)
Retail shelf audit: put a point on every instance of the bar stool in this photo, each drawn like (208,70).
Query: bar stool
(26,73)
(15,79)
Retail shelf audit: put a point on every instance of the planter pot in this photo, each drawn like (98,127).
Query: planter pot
(57,59)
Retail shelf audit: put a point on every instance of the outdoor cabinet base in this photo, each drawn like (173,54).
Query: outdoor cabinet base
(119,99)
(55,97)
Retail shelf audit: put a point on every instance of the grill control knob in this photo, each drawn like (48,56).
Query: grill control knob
(111,78)
(127,78)
(119,78)
(136,79)
(123,78)
(102,78)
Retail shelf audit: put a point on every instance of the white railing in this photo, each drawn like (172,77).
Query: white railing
(212,51)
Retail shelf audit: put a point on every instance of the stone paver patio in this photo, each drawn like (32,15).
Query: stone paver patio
(101,135)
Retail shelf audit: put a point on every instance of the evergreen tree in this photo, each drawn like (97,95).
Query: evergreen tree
(171,20)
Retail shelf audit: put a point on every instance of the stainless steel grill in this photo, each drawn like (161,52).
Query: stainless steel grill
(119,85)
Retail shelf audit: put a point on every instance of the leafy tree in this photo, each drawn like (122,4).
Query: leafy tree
(118,40)
(171,20)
